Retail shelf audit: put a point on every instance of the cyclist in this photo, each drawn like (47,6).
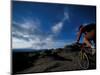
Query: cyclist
(89,34)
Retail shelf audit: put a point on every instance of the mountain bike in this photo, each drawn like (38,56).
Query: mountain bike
(84,54)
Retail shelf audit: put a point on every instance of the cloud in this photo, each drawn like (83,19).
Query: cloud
(20,43)
(28,34)
(56,28)
(26,29)
(66,16)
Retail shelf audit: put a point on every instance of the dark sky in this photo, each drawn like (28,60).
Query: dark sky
(46,25)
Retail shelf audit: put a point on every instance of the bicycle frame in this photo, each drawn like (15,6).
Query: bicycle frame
(83,58)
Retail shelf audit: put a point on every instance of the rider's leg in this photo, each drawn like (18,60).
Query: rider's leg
(87,42)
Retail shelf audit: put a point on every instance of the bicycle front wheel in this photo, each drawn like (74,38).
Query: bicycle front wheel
(83,60)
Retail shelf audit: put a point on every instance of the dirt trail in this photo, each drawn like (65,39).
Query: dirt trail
(50,64)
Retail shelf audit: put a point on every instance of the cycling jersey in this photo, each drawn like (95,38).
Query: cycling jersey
(88,28)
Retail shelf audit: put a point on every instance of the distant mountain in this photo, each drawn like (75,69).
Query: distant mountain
(66,47)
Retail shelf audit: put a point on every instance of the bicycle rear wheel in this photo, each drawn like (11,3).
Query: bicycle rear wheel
(83,60)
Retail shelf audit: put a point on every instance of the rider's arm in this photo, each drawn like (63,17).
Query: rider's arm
(79,36)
